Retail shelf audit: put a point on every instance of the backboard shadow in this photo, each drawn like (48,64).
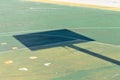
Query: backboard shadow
(54,38)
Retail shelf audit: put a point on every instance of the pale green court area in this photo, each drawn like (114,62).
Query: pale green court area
(21,17)
(66,63)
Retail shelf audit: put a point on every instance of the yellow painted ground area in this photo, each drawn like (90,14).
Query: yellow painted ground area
(78,4)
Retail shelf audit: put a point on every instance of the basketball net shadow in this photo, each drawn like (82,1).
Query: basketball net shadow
(57,38)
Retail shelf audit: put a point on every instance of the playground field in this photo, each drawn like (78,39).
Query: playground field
(45,40)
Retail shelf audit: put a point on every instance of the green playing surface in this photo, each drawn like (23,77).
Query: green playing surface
(94,60)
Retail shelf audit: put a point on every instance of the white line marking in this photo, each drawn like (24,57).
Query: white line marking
(47,64)
(29,31)
(33,8)
(58,43)
(33,57)
(106,44)
(4,43)
(13,50)
(23,69)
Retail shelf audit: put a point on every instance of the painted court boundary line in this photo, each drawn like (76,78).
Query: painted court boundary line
(78,4)
(29,31)
(60,43)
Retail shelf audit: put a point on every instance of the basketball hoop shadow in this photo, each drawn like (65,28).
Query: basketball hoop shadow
(54,38)
(57,38)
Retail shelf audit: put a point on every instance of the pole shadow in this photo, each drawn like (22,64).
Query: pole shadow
(98,55)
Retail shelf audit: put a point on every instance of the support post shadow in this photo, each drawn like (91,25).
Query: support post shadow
(98,55)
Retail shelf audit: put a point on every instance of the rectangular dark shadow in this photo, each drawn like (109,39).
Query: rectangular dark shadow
(54,38)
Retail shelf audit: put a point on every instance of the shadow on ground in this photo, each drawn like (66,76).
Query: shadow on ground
(55,38)
(98,55)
